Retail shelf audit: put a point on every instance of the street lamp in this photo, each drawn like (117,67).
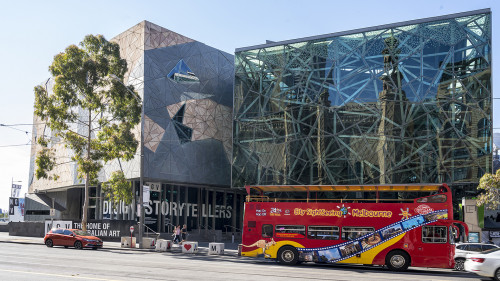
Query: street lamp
(141,173)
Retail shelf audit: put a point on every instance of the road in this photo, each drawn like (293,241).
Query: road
(37,262)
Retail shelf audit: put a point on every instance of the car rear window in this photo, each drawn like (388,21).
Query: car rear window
(475,248)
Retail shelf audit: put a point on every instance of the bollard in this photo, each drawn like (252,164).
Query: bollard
(216,248)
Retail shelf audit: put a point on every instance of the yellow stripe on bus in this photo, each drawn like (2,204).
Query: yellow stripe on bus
(366,257)
(272,251)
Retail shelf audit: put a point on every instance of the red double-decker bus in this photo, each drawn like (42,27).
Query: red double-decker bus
(307,226)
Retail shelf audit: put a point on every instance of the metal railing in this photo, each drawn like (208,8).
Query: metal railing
(256,198)
(232,227)
(147,231)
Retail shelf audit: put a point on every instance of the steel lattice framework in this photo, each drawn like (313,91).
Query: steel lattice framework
(401,103)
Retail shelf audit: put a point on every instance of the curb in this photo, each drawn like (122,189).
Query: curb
(204,252)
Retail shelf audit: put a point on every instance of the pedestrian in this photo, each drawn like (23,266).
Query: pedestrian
(184,232)
(177,234)
(490,241)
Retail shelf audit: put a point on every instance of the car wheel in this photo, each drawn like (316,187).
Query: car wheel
(459,264)
(95,248)
(497,275)
(66,247)
(49,243)
(78,245)
(288,255)
(397,261)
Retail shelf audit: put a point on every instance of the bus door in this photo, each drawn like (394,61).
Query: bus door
(434,248)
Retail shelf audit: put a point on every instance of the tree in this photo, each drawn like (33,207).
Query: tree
(490,198)
(91,113)
(117,189)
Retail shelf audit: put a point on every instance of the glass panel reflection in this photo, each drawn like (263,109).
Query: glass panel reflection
(406,104)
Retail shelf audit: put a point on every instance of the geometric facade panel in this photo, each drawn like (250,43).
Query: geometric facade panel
(403,103)
(182,148)
(188,94)
(153,134)
(207,120)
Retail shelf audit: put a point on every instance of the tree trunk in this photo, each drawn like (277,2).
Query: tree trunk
(85,203)
(87,179)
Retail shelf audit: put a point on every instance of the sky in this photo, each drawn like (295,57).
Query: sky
(34,31)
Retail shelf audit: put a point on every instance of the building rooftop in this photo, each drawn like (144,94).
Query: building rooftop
(367,29)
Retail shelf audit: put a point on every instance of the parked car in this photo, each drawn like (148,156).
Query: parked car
(72,238)
(462,249)
(485,264)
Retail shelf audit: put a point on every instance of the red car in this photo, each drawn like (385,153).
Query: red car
(72,238)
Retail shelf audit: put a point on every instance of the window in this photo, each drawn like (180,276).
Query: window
(488,247)
(267,230)
(67,232)
(461,247)
(182,73)
(290,231)
(440,198)
(453,234)
(351,233)
(323,232)
(38,212)
(475,248)
(434,234)
(57,231)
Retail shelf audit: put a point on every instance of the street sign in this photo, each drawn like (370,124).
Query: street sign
(145,195)
(15,190)
(154,186)
(131,229)
(52,212)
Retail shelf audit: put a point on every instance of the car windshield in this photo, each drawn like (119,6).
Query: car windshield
(82,233)
(491,251)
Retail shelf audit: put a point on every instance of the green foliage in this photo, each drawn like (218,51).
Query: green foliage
(118,188)
(491,196)
(89,111)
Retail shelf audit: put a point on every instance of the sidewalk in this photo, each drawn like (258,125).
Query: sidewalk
(231,249)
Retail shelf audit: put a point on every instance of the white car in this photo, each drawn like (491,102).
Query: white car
(486,263)
(462,249)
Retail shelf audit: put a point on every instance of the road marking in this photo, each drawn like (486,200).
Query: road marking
(58,275)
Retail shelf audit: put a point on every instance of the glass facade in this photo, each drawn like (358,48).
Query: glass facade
(408,103)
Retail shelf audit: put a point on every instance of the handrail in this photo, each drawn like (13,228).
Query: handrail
(232,227)
(341,200)
(147,227)
(345,188)
(201,226)
(262,197)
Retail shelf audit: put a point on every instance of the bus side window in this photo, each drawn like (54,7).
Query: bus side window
(267,230)
(440,198)
(434,234)
(351,233)
(323,232)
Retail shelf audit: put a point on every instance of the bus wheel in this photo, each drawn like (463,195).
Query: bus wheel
(397,261)
(288,255)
